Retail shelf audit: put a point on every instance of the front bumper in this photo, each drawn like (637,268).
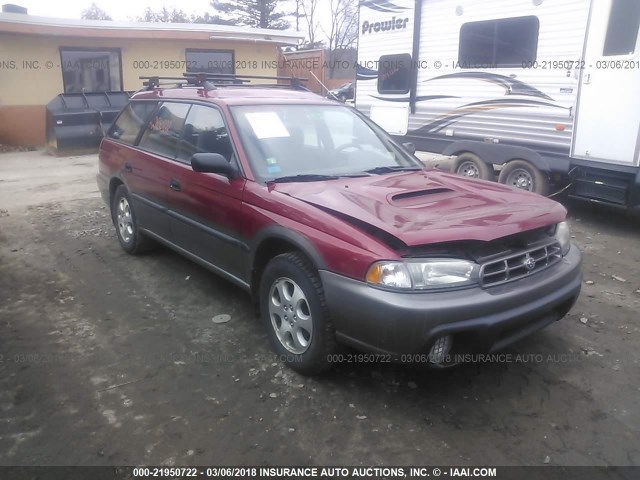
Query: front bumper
(480,320)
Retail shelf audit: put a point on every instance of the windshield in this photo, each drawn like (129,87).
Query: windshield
(315,142)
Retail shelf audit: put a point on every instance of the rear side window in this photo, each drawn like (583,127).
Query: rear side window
(505,42)
(132,119)
(394,74)
(622,31)
(164,129)
(204,132)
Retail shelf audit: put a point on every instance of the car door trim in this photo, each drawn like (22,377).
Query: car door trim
(208,230)
(200,261)
(148,202)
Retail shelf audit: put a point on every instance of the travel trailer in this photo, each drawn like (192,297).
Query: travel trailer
(543,91)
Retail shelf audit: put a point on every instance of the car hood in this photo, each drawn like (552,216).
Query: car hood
(427,207)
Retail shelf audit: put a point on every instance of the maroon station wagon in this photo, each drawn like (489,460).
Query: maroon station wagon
(338,233)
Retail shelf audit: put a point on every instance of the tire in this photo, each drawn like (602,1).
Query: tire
(522,174)
(306,343)
(124,218)
(469,165)
(343,98)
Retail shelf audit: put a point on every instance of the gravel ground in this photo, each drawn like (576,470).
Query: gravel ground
(108,359)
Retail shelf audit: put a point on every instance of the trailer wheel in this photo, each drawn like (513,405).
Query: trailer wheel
(522,174)
(470,165)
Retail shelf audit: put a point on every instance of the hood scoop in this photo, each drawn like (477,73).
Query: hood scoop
(419,197)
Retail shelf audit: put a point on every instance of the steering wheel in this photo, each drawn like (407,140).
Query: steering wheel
(357,146)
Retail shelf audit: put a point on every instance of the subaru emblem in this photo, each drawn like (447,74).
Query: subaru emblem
(529,263)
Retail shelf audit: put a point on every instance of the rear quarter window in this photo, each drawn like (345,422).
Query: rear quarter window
(130,121)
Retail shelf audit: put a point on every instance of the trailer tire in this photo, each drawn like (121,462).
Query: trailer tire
(522,174)
(470,165)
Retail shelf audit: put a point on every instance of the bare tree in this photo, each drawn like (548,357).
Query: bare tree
(94,12)
(342,34)
(308,10)
(164,16)
(343,29)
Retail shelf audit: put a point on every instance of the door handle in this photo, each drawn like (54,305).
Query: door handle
(174,185)
(128,167)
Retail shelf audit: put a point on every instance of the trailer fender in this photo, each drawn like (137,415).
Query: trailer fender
(497,154)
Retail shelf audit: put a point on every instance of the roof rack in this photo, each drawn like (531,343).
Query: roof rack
(212,81)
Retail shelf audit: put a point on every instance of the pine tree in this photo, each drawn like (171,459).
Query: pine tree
(253,13)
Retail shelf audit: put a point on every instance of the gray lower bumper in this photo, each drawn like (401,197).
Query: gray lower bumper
(480,319)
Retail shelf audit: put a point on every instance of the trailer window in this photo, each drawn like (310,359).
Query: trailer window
(505,42)
(394,73)
(622,31)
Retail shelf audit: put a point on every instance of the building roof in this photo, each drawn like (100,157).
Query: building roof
(29,24)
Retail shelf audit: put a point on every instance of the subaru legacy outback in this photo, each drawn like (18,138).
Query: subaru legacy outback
(338,233)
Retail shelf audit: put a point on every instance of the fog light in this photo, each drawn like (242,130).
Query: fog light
(441,349)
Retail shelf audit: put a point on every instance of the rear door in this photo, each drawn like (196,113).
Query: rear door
(608,113)
(139,170)
(204,208)
(149,177)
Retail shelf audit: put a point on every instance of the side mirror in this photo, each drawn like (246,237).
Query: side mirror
(213,163)
(410,147)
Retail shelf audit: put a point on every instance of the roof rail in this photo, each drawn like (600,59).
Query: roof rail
(212,81)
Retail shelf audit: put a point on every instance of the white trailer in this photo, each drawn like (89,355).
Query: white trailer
(541,90)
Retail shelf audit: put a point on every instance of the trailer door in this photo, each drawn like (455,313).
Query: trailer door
(608,113)
(385,48)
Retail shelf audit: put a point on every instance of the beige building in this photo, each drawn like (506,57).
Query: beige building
(43,57)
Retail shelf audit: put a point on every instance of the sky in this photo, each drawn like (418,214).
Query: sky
(122,10)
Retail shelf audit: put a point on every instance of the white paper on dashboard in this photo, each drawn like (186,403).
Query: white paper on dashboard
(267,125)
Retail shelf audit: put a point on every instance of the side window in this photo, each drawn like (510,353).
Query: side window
(204,132)
(622,31)
(164,129)
(128,124)
(506,42)
(394,74)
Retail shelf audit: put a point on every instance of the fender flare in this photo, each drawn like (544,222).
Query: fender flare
(281,233)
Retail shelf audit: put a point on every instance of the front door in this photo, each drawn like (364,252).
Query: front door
(608,117)
(204,208)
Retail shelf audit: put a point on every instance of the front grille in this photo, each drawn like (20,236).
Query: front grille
(519,265)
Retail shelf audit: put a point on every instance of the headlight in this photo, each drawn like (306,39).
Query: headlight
(423,274)
(563,235)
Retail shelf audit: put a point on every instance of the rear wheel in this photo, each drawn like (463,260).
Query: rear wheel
(523,175)
(470,165)
(124,218)
(295,314)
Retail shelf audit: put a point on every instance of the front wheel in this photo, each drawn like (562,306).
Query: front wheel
(523,175)
(295,314)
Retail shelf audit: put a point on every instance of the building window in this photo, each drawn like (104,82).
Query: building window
(210,61)
(622,32)
(394,74)
(506,42)
(89,70)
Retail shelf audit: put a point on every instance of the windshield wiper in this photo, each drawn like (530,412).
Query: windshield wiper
(383,170)
(307,177)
